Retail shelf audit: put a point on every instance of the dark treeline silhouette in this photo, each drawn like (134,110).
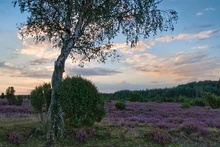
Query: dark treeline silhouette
(174,94)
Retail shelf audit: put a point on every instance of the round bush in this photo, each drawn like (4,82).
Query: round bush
(81,102)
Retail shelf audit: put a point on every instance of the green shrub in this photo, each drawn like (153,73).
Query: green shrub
(212,100)
(121,104)
(81,102)
(39,98)
(186,104)
(199,102)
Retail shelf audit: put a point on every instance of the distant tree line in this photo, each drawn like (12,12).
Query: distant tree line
(12,98)
(174,94)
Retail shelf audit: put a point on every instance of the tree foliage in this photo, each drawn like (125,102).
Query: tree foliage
(95,22)
(2,95)
(10,95)
(81,102)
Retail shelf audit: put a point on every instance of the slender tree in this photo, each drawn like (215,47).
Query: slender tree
(87,28)
(10,95)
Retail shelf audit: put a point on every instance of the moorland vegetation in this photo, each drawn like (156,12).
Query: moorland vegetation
(124,121)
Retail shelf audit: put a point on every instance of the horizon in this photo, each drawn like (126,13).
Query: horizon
(189,53)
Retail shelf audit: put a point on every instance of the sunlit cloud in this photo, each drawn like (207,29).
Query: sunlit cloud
(200,35)
(184,65)
(39,50)
(127,49)
(142,46)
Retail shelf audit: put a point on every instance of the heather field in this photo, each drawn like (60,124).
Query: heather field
(140,124)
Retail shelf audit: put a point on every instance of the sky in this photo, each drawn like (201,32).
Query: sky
(189,53)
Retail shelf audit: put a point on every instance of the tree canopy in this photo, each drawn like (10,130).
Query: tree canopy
(90,25)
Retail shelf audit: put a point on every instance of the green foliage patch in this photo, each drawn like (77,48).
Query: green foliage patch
(40,98)
(212,100)
(121,104)
(81,102)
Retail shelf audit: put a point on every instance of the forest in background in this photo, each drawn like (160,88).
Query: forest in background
(178,93)
(174,94)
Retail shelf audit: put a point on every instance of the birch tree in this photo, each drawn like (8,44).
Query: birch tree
(87,28)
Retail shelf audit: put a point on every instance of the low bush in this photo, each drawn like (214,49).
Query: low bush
(121,104)
(15,138)
(81,135)
(159,136)
(212,100)
(186,104)
(192,128)
(198,102)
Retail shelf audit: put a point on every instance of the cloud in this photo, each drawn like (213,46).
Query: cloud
(209,9)
(125,48)
(40,50)
(11,70)
(200,35)
(201,47)
(40,61)
(199,13)
(91,71)
(40,74)
(142,46)
(199,27)
(206,10)
(180,66)
(8,66)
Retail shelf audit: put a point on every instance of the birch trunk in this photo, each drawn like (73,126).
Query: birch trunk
(55,117)
(55,114)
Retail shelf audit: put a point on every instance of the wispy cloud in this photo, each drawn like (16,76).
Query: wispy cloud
(143,45)
(199,13)
(206,10)
(12,70)
(40,61)
(91,71)
(209,9)
(201,47)
(200,35)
